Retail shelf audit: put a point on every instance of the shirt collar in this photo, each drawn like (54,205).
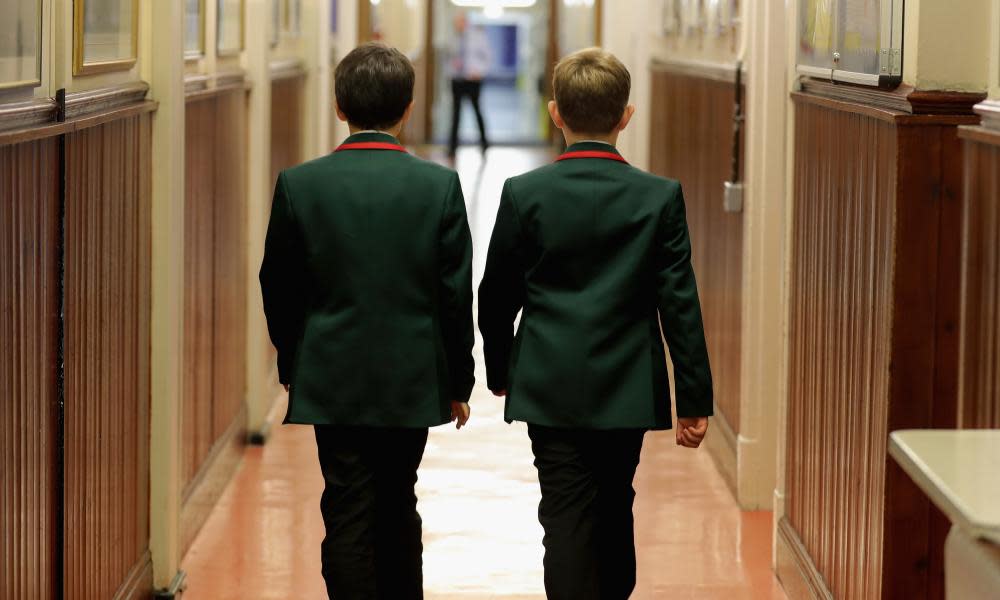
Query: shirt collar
(592,145)
(371,136)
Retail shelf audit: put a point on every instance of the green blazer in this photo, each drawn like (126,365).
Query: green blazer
(367,288)
(596,255)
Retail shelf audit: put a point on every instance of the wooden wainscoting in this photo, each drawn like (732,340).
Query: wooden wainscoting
(286,120)
(213,416)
(873,345)
(692,141)
(980,358)
(107,360)
(29,309)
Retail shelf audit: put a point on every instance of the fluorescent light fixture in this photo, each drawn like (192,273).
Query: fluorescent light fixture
(494,4)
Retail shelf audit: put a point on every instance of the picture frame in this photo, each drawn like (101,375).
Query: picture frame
(105,36)
(275,23)
(230,27)
(670,21)
(21,52)
(293,17)
(194,29)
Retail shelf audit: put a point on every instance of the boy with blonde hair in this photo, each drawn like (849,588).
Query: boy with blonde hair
(596,255)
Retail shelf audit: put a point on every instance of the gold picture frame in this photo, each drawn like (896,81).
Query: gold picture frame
(220,17)
(80,64)
(37,80)
(191,54)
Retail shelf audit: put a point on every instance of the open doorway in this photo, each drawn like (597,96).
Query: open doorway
(516,35)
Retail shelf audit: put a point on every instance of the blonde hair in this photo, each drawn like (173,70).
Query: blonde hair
(591,88)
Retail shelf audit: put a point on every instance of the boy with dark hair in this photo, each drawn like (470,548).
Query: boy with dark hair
(367,289)
(595,253)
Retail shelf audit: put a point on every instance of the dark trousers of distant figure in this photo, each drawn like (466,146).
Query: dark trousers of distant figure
(465,88)
(372,549)
(586,510)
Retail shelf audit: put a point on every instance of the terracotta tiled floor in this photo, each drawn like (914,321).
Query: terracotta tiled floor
(478,498)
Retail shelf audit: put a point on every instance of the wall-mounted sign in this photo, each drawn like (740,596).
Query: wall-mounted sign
(20,43)
(853,41)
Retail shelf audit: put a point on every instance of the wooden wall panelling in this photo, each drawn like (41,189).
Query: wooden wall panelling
(230,256)
(286,123)
(29,306)
(107,360)
(873,320)
(691,141)
(199,273)
(214,417)
(980,356)
(286,140)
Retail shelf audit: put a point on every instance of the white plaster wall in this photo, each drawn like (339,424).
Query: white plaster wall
(947,44)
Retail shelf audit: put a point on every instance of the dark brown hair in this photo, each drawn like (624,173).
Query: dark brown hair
(374,86)
(591,89)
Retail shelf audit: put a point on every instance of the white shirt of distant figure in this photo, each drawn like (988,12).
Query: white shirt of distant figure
(471,54)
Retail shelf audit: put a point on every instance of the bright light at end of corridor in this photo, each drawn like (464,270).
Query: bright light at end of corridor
(494,5)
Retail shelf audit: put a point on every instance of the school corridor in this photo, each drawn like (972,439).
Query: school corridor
(478,496)
(840,163)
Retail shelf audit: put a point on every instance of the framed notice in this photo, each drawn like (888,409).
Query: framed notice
(670,17)
(853,41)
(194,29)
(230,27)
(105,35)
(20,43)
(275,22)
(293,16)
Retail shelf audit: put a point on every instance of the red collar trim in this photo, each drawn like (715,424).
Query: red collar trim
(592,154)
(371,146)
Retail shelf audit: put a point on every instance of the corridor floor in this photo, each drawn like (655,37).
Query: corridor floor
(478,497)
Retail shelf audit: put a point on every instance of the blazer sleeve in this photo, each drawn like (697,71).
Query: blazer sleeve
(502,292)
(680,312)
(282,281)
(457,328)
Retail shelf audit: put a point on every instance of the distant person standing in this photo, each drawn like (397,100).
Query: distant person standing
(470,60)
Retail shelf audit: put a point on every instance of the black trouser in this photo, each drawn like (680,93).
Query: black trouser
(372,549)
(460,88)
(586,510)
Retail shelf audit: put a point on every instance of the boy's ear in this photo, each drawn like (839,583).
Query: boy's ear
(626,117)
(340,113)
(556,117)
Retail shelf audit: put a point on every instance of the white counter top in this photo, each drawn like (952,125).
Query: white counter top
(959,471)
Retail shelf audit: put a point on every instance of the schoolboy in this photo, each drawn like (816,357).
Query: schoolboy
(367,289)
(595,254)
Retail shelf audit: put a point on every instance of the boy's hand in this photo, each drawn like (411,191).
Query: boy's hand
(460,412)
(285,385)
(499,393)
(691,431)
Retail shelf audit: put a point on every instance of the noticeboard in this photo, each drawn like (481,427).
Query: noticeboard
(852,41)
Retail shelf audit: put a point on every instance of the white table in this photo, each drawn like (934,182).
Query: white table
(960,472)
